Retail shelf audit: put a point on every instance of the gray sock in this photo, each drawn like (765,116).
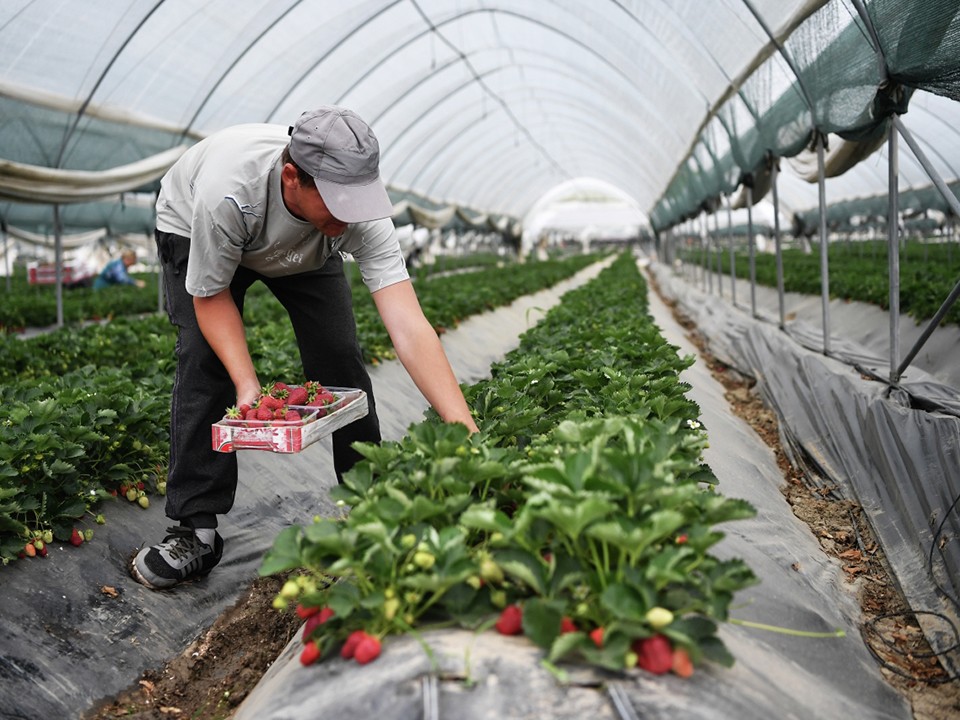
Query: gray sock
(206,535)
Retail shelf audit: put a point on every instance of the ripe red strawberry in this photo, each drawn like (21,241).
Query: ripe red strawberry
(291,415)
(305,612)
(30,550)
(322,398)
(597,636)
(250,414)
(264,413)
(367,649)
(681,663)
(310,653)
(350,646)
(270,402)
(567,626)
(76,539)
(654,654)
(511,621)
(315,621)
(297,396)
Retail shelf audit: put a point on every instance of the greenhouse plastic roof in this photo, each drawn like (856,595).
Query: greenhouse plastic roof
(484,105)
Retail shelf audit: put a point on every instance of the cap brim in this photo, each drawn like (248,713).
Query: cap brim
(356,203)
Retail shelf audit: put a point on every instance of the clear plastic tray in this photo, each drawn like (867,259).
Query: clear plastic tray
(283,436)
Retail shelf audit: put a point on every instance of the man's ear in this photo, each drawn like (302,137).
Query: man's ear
(289,174)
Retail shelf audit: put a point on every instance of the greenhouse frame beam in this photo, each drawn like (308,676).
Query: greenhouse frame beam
(778,243)
(893,250)
(899,128)
(236,60)
(824,245)
(752,251)
(733,256)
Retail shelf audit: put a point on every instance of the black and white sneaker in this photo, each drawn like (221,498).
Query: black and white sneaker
(181,556)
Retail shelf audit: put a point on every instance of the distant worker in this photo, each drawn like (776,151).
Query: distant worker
(115,272)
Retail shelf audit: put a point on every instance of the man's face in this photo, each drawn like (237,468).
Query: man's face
(304,201)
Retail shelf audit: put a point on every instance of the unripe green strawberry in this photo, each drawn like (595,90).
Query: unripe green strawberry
(132,494)
(48,536)
(38,544)
(290,590)
(88,534)
(162,487)
(279,603)
(143,501)
(390,608)
(101,520)
(475,582)
(498,598)
(490,571)
(408,541)
(659,617)
(424,560)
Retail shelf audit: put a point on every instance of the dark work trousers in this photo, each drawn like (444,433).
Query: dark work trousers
(202,483)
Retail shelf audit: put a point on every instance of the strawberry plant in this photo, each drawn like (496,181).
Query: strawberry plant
(67,444)
(562,519)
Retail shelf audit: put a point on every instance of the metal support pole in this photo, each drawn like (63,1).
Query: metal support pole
(893,250)
(775,171)
(708,256)
(733,257)
(719,247)
(6,251)
(824,261)
(753,256)
(705,244)
(58,262)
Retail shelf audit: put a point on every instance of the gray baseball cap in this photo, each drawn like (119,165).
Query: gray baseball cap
(342,154)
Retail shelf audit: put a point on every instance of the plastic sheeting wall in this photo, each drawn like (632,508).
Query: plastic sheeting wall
(900,462)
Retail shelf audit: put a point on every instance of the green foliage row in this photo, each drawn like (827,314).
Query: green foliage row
(84,411)
(581,497)
(859,271)
(27,305)
(69,442)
